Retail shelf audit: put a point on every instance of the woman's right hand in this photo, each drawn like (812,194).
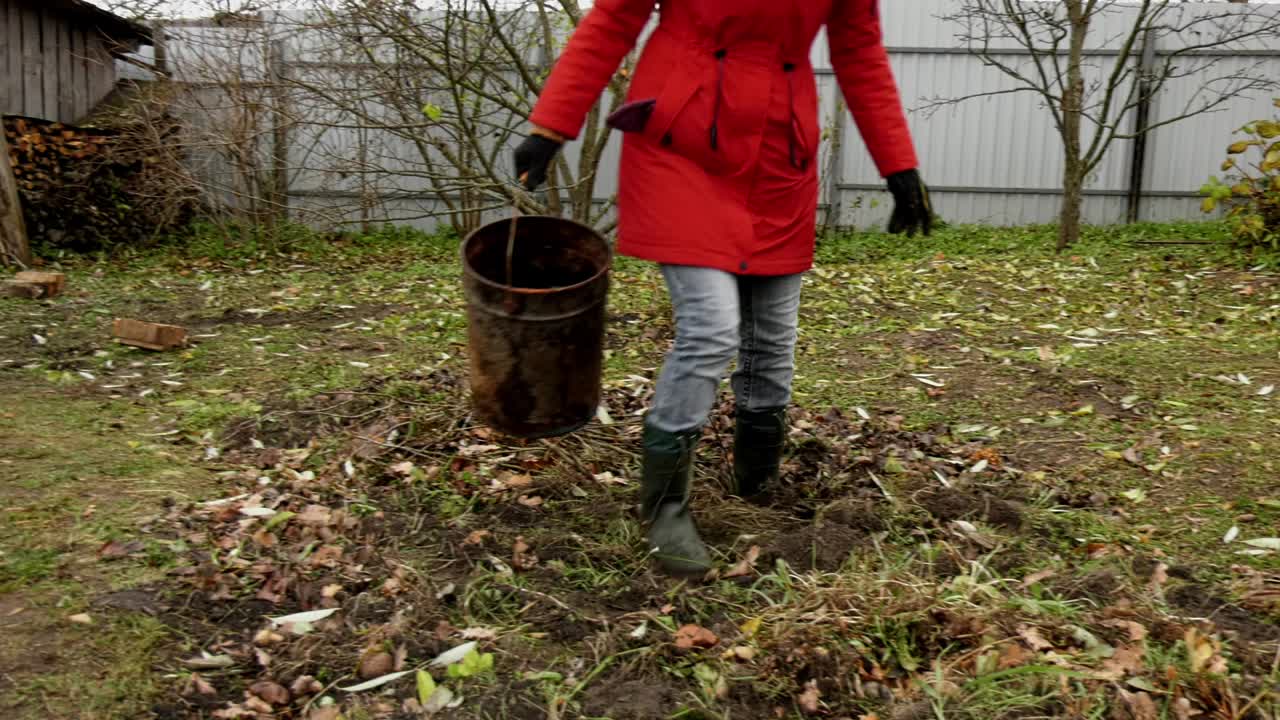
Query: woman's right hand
(534,156)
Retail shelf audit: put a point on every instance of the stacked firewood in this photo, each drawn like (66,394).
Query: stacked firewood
(86,189)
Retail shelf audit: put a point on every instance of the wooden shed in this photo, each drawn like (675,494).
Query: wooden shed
(59,56)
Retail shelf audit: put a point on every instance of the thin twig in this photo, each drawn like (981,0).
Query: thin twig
(554,601)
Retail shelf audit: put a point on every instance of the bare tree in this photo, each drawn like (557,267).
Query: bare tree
(1095,64)
(433,98)
(223,81)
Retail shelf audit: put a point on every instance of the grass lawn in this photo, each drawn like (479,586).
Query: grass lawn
(1018,485)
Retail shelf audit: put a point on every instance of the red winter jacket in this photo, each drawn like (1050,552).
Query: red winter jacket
(724,174)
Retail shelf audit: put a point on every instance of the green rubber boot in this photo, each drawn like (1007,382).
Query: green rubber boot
(667,476)
(757,450)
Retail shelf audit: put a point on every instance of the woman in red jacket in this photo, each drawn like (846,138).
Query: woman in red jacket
(719,185)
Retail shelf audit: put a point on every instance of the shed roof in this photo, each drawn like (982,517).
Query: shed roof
(119,29)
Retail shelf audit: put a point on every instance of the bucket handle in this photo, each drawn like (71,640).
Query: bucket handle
(511,248)
(511,244)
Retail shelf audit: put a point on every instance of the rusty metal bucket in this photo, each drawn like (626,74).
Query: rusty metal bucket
(537,344)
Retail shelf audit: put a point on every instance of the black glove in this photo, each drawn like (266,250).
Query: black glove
(912,211)
(533,159)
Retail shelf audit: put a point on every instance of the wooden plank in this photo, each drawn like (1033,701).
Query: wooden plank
(32,67)
(102,71)
(51,282)
(49,63)
(66,105)
(11,34)
(26,291)
(79,79)
(14,248)
(152,336)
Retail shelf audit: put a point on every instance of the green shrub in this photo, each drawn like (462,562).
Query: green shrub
(1251,193)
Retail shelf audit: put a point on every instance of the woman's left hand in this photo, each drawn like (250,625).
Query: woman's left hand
(912,211)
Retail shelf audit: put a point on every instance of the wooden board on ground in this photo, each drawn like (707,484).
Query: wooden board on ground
(152,336)
(14,289)
(52,283)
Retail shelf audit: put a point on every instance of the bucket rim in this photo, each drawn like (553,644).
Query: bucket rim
(474,275)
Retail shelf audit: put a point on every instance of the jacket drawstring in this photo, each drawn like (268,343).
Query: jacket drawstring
(715,114)
(792,146)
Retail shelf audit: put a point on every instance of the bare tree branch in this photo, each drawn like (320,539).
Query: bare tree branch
(1051,42)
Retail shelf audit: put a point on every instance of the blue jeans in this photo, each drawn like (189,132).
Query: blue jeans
(719,316)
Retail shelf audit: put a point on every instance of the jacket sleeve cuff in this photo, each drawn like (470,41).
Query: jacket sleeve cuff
(892,165)
(558,125)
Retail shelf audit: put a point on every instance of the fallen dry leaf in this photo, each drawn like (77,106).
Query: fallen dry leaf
(477,537)
(270,692)
(1127,660)
(1218,665)
(1013,655)
(1182,709)
(327,556)
(1096,550)
(479,633)
(197,685)
(1140,705)
(1034,640)
(314,516)
(608,478)
(267,636)
(1200,649)
(332,712)
(375,664)
(694,636)
(990,455)
(521,557)
(392,587)
(114,549)
(514,482)
(808,700)
(401,656)
(1036,577)
(1159,577)
(746,565)
(210,662)
(305,685)
(1137,631)
(257,704)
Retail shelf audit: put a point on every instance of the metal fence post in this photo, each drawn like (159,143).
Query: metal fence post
(1141,117)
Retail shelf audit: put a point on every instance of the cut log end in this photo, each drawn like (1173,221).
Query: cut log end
(148,335)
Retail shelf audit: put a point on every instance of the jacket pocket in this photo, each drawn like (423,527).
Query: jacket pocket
(681,124)
(672,102)
(806,124)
